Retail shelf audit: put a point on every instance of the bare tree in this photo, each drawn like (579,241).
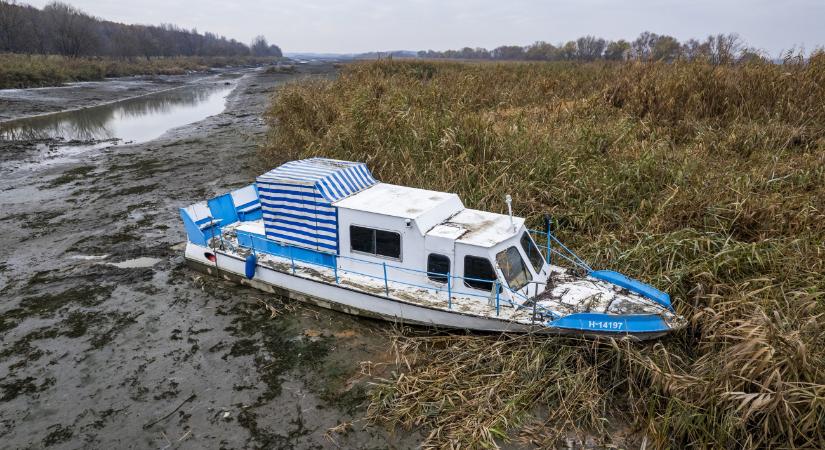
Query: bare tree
(589,48)
(666,48)
(508,52)
(259,46)
(73,32)
(617,50)
(642,47)
(63,29)
(695,50)
(718,49)
(724,48)
(11,23)
(541,51)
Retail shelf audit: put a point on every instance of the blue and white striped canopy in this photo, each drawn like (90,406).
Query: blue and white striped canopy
(296,199)
(334,179)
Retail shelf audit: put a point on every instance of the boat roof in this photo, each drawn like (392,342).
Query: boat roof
(437,214)
(334,179)
(479,228)
(427,208)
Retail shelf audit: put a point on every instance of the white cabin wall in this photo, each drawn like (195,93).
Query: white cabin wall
(462,250)
(413,255)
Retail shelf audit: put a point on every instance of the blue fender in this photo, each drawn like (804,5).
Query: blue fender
(251,263)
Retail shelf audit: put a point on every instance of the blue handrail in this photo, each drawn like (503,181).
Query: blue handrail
(450,291)
(578,261)
(386,278)
(449,284)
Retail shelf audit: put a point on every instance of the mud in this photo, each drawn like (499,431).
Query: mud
(108,340)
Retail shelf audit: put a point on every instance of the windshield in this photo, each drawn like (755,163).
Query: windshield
(513,268)
(533,253)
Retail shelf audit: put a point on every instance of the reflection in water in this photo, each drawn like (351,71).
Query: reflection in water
(135,120)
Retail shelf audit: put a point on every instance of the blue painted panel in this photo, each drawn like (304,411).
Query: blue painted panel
(253,211)
(223,208)
(632,285)
(245,239)
(261,244)
(256,214)
(608,323)
(196,236)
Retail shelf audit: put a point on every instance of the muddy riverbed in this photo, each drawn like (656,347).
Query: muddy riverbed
(107,339)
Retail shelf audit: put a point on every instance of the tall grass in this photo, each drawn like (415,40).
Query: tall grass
(25,71)
(707,181)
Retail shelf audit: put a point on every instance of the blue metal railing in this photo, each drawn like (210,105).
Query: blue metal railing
(568,256)
(451,292)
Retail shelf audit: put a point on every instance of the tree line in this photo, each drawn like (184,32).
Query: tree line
(717,49)
(62,29)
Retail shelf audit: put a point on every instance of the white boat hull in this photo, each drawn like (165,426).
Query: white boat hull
(341,298)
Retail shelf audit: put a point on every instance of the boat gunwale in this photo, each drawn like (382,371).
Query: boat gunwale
(338,307)
(536,326)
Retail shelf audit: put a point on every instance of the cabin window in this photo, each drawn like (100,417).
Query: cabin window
(533,253)
(375,242)
(387,244)
(362,239)
(479,269)
(437,267)
(513,268)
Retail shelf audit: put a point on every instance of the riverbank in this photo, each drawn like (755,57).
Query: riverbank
(27,71)
(110,341)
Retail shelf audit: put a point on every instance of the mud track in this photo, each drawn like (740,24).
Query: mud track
(154,355)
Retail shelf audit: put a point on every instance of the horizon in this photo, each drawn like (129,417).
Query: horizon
(355,26)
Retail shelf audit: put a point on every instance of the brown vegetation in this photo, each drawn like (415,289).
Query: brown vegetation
(708,181)
(24,71)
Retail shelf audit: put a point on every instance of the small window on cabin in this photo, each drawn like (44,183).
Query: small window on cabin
(362,239)
(437,267)
(513,268)
(388,244)
(479,270)
(375,242)
(533,253)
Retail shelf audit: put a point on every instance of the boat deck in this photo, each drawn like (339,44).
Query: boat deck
(567,293)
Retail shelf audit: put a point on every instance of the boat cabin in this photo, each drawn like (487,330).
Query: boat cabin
(335,214)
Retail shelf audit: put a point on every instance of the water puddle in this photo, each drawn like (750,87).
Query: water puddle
(60,137)
(134,120)
(137,263)
(89,257)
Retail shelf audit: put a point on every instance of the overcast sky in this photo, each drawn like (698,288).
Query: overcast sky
(344,26)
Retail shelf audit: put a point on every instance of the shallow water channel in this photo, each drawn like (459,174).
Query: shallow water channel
(63,136)
(133,120)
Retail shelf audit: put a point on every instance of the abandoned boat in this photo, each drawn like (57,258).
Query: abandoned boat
(326,232)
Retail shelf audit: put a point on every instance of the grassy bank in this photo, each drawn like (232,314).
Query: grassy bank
(24,71)
(708,182)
